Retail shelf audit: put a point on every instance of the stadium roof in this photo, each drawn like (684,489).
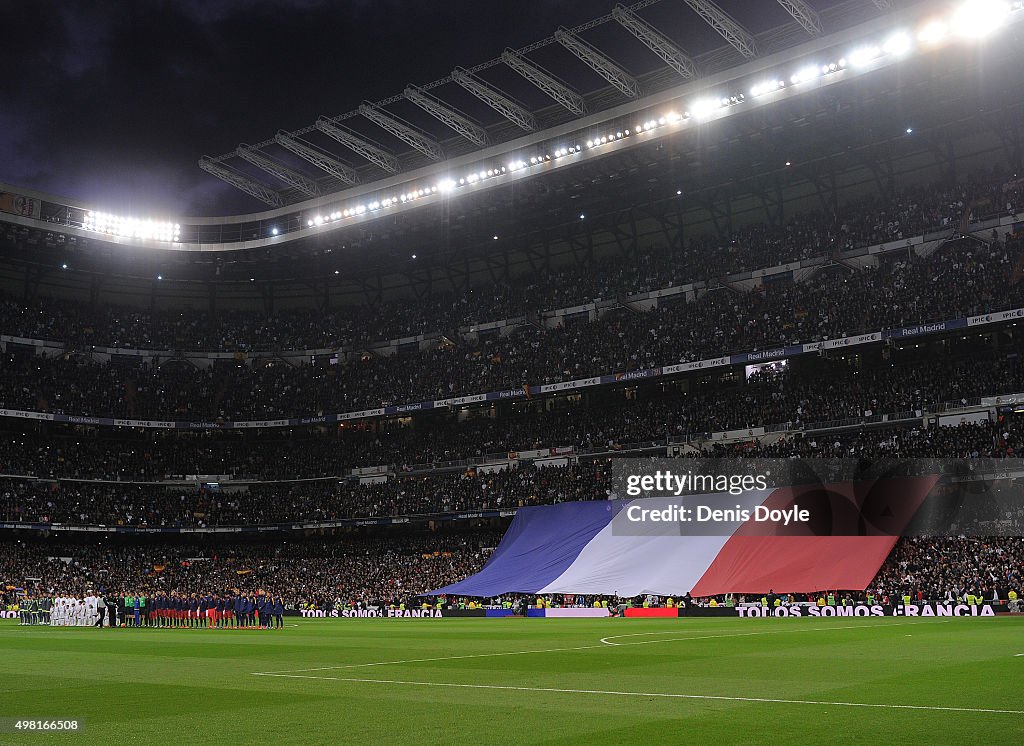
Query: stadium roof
(632,52)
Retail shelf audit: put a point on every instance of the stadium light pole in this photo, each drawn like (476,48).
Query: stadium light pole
(318,158)
(368,150)
(288,176)
(240,181)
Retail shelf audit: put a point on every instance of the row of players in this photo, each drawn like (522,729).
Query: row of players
(163,610)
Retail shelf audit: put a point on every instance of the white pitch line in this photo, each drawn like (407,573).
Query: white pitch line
(565,650)
(664,695)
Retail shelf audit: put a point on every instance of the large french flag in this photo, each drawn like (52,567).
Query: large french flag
(575,547)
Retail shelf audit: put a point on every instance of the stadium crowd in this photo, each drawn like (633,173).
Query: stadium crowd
(965,277)
(861,222)
(962,279)
(823,392)
(947,569)
(154,505)
(358,569)
(365,571)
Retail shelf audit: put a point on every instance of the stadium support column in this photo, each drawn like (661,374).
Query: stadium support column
(33,276)
(714,203)
(1007,129)
(267,291)
(94,291)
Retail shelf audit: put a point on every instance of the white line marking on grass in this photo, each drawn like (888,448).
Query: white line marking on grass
(601,644)
(664,695)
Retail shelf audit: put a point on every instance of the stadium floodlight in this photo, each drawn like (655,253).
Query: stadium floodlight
(445,185)
(933,32)
(116,225)
(704,107)
(898,44)
(978,18)
(805,74)
(864,55)
(767,86)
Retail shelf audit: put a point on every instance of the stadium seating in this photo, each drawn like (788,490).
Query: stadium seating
(65,476)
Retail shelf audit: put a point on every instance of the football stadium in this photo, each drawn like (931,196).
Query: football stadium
(651,374)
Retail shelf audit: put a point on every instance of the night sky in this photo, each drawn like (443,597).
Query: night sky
(112,103)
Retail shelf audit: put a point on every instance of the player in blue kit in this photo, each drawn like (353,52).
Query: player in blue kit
(250,610)
(278,612)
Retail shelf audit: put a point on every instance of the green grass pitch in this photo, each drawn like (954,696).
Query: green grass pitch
(525,680)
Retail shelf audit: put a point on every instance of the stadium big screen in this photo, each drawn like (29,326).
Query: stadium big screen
(601,373)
